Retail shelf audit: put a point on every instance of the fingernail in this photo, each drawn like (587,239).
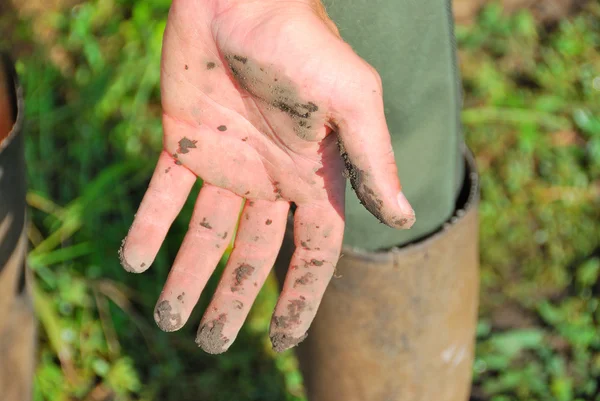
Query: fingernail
(404,205)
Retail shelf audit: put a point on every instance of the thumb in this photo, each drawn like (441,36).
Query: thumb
(366,148)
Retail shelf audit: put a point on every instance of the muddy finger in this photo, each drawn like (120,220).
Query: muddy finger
(257,243)
(366,147)
(210,231)
(318,233)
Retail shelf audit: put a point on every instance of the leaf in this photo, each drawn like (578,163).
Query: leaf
(513,342)
(562,388)
(60,255)
(587,274)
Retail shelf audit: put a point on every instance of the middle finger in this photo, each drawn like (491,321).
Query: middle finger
(257,243)
(210,230)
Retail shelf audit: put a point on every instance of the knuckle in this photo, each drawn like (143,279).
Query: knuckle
(375,77)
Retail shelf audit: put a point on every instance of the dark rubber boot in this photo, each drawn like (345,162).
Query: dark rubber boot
(399,325)
(17,322)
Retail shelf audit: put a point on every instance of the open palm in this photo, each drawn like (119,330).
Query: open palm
(265,103)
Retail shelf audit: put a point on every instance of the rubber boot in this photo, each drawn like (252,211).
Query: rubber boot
(399,325)
(17,322)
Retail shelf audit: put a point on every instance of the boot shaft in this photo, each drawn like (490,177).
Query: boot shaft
(399,325)
(12,162)
(17,322)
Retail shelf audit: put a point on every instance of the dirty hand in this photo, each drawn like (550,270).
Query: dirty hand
(256,95)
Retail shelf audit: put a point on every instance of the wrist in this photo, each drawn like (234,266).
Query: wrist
(220,6)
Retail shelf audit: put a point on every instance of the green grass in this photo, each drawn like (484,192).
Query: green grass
(538,146)
(532,116)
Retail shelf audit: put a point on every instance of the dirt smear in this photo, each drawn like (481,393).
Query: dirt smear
(210,335)
(185,145)
(282,325)
(266,84)
(359,179)
(277,190)
(204,223)
(176,157)
(166,318)
(123,261)
(401,222)
(126,265)
(295,308)
(241,274)
(308,278)
(282,342)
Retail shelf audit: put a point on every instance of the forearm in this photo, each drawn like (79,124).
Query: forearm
(220,6)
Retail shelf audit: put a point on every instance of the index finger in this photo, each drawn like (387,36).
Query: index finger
(169,187)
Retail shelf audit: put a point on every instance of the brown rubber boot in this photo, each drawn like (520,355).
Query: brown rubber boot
(399,325)
(17,322)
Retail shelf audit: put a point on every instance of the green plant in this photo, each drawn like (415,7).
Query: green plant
(532,116)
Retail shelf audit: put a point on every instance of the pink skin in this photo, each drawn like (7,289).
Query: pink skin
(256,95)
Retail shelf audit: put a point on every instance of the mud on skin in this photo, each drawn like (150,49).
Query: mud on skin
(123,261)
(165,317)
(401,222)
(359,180)
(241,274)
(305,279)
(204,223)
(210,335)
(266,84)
(295,307)
(277,190)
(126,265)
(185,145)
(280,339)
(176,157)
(282,342)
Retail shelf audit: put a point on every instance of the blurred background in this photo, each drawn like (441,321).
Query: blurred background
(531,73)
